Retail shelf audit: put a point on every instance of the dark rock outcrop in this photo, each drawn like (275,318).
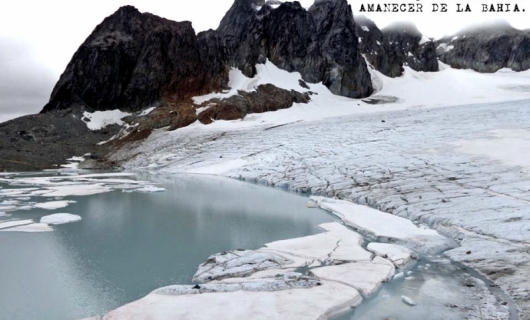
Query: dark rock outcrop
(487,48)
(411,47)
(320,43)
(44,141)
(133,60)
(376,49)
(266,98)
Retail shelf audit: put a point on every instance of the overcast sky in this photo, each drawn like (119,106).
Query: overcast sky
(38,38)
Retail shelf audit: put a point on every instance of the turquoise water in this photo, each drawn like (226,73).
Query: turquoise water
(131,243)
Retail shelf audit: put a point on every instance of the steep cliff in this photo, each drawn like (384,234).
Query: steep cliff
(320,43)
(377,50)
(134,60)
(411,47)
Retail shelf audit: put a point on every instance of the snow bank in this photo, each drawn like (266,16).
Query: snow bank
(60,218)
(267,73)
(101,119)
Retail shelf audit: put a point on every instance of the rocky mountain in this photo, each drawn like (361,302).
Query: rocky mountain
(135,61)
(487,48)
(320,43)
(376,48)
(411,47)
(395,46)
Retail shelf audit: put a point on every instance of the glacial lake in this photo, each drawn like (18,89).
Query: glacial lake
(131,241)
(129,244)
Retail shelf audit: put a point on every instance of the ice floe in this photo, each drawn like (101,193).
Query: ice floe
(23,226)
(317,302)
(60,218)
(367,277)
(384,225)
(60,184)
(16,223)
(52,205)
(30,228)
(399,255)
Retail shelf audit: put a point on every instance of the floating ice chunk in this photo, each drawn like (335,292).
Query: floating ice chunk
(16,223)
(149,189)
(408,301)
(101,119)
(399,276)
(2,214)
(8,208)
(317,302)
(52,205)
(74,190)
(237,264)
(9,202)
(312,204)
(60,218)
(34,227)
(381,224)
(399,255)
(367,277)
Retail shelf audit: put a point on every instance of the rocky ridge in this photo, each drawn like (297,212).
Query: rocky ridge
(486,48)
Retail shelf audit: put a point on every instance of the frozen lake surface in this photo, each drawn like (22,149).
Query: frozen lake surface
(128,244)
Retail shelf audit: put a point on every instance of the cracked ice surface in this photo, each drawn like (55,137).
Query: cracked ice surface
(381,224)
(408,165)
(262,284)
(337,245)
(237,264)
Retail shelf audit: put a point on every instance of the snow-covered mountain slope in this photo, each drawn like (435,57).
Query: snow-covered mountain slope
(423,157)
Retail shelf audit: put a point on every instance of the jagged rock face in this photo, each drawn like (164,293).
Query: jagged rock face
(406,41)
(376,49)
(487,49)
(134,60)
(320,43)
